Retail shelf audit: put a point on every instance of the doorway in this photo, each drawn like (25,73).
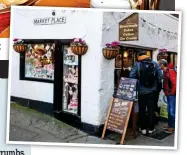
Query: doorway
(67,84)
(124,62)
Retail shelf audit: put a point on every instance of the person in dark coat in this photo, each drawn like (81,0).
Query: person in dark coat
(146,95)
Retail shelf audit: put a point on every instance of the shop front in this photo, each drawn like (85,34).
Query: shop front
(75,89)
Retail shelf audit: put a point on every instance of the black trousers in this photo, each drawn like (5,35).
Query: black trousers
(146,117)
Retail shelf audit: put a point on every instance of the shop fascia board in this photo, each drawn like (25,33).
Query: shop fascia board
(173,50)
(135,46)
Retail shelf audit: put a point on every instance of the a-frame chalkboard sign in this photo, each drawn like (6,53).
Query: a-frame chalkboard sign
(120,108)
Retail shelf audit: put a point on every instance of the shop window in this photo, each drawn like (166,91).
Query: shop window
(70,81)
(170,57)
(39,61)
(162,55)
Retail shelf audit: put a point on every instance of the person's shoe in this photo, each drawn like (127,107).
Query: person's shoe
(151,131)
(164,127)
(169,130)
(144,131)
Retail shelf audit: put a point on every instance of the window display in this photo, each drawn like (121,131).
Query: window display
(39,61)
(70,81)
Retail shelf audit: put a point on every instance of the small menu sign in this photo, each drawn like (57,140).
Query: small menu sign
(128,28)
(127,89)
(118,115)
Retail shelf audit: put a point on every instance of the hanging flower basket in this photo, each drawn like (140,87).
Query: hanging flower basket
(19,46)
(78,46)
(111,50)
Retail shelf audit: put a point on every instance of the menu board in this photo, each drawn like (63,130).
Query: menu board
(127,89)
(119,115)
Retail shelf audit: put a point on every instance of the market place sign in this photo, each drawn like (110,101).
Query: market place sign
(49,21)
(128,28)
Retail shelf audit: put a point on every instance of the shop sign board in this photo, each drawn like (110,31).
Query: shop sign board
(118,117)
(127,89)
(49,21)
(120,107)
(129,28)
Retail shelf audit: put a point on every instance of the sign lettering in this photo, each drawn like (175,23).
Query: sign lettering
(49,21)
(128,28)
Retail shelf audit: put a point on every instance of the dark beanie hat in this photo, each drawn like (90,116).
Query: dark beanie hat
(141,52)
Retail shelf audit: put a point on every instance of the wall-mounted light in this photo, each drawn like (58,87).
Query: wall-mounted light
(53,13)
(148,53)
(125,54)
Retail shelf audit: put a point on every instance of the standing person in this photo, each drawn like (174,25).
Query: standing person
(169,87)
(148,74)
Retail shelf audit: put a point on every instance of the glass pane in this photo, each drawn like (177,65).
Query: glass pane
(70,81)
(176,59)
(127,59)
(39,61)
(171,58)
(118,61)
(163,55)
(117,75)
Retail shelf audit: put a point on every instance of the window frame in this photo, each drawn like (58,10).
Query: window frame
(22,60)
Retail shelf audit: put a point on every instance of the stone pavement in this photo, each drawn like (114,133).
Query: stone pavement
(32,126)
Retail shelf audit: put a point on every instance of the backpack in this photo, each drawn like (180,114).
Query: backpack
(147,75)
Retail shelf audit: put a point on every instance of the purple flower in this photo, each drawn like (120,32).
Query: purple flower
(76,40)
(73,40)
(108,45)
(83,42)
(16,39)
(80,41)
(115,43)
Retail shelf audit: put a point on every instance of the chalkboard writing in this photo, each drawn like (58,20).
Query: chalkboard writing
(127,89)
(118,115)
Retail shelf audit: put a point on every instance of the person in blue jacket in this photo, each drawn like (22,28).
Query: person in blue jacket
(149,77)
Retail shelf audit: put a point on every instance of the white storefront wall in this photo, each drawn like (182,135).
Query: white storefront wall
(97,80)
(78,24)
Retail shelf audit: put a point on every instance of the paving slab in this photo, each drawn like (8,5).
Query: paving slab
(79,140)
(20,134)
(47,138)
(96,140)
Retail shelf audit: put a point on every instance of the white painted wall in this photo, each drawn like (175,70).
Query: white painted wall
(147,38)
(79,24)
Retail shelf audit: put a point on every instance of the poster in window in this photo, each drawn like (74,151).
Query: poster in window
(70,81)
(39,61)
